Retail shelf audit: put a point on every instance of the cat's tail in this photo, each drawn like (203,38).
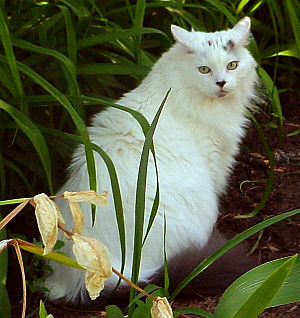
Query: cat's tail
(217,277)
(211,282)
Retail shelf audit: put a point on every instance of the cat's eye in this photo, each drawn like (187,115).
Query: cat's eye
(204,69)
(232,65)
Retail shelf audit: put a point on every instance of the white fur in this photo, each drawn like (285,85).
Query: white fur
(196,140)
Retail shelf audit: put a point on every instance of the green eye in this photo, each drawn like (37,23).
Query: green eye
(204,69)
(232,65)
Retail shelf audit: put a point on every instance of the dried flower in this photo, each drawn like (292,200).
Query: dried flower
(89,196)
(94,284)
(161,308)
(47,214)
(82,196)
(77,215)
(93,256)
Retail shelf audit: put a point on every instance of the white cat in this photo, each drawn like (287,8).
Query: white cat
(212,78)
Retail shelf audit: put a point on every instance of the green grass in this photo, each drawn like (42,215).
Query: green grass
(61,61)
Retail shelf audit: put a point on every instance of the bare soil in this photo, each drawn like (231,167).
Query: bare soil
(245,191)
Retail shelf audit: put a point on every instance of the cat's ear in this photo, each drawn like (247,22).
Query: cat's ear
(180,35)
(242,31)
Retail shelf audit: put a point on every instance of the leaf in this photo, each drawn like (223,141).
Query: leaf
(113,311)
(194,311)
(42,310)
(250,294)
(5,308)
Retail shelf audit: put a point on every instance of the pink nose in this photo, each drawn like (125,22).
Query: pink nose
(221,84)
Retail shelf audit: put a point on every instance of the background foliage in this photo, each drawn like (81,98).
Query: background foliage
(55,54)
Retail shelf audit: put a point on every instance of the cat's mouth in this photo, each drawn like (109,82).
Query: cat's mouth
(222,93)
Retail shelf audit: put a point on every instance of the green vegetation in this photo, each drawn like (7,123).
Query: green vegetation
(61,60)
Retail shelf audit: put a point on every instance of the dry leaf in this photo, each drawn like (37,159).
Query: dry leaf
(161,308)
(4,244)
(94,284)
(93,256)
(46,212)
(82,196)
(89,196)
(77,215)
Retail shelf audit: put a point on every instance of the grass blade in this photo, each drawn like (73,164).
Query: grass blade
(116,35)
(292,11)
(274,95)
(140,202)
(78,7)
(57,257)
(71,34)
(35,136)
(6,41)
(138,23)
(20,174)
(113,69)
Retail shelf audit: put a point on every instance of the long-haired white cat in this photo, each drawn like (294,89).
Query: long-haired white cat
(212,77)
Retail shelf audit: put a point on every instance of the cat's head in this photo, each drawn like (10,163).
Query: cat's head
(216,64)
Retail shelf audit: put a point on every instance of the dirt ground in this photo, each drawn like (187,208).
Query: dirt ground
(242,197)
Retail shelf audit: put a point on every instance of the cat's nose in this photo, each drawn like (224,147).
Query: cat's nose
(221,83)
